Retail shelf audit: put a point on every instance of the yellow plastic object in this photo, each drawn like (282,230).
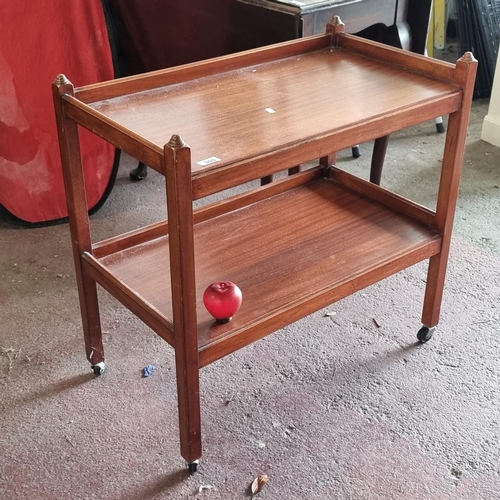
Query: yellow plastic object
(439,9)
(436,35)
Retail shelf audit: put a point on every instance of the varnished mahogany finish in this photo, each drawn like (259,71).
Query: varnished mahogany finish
(292,246)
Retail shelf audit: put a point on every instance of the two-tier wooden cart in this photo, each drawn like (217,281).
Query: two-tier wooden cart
(293,246)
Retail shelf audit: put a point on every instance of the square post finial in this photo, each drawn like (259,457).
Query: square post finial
(335,26)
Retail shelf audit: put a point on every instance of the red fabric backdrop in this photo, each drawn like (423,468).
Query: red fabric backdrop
(38,40)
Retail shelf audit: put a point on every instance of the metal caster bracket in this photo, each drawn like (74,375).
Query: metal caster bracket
(98,369)
(425,333)
(193,466)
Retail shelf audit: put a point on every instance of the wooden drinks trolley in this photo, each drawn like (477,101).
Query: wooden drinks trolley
(293,246)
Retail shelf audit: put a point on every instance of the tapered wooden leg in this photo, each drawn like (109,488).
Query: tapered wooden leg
(378,157)
(188,400)
(189,411)
(181,247)
(69,147)
(434,289)
(89,308)
(448,190)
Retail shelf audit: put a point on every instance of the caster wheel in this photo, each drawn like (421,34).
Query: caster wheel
(193,466)
(425,334)
(99,368)
(356,152)
(139,173)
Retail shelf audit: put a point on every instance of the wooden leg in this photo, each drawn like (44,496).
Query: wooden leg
(188,398)
(448,190)
(378,157)
(181,247)
(79,223)
(89,307)
(434,288)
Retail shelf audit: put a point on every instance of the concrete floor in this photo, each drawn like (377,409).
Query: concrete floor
(344,406)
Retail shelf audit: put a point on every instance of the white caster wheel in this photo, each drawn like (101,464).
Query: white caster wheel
(193,466)
(98,369)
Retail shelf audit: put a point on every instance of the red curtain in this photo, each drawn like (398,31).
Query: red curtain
(38,40)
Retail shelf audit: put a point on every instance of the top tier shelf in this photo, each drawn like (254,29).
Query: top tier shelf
(272,99)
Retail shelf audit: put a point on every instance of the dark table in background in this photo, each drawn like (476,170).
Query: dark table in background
(397,22)
(155,35)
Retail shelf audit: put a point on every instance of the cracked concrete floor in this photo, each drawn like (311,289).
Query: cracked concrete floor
(338,406)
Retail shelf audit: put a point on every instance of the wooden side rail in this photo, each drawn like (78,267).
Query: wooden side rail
(104,127)
(384,196)
(129,298)
(211,181)
(215,66)
(441,70)
(159,229)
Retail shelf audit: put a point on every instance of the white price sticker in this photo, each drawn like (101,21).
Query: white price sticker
(208,161)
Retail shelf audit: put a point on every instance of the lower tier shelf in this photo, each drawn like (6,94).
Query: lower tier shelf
(291,254)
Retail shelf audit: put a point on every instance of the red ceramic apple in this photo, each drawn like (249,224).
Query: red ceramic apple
(222,299)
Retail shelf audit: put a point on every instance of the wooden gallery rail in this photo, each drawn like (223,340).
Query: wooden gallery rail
(308,240)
